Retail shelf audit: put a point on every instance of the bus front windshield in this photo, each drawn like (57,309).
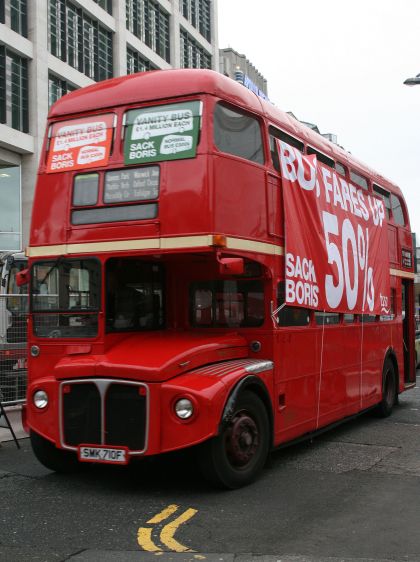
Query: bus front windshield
(134,295)
(65,298)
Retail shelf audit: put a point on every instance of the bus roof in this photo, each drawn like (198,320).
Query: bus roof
(163,84)
(153,85)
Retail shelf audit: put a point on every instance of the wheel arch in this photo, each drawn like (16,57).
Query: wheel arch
(253,384)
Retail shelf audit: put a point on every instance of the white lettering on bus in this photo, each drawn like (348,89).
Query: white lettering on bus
(304,291)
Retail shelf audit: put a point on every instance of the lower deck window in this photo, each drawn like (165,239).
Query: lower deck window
(327,318)
(227,304)
(290,315)
(367,318)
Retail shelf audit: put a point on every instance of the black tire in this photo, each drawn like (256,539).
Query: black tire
(389,390)
(236,456)
(53,458)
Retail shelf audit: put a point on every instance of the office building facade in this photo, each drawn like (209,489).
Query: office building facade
(239,68)
(51,47)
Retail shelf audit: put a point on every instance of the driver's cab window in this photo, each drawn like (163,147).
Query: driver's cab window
(18,302)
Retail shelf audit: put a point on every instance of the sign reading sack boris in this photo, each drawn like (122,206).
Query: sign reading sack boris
(80,143)
(164,132)
(336,239)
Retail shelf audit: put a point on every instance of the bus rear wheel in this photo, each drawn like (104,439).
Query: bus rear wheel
(389,390)
(236,456)
(51,457)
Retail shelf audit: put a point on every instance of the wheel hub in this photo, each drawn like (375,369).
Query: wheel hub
(242,440)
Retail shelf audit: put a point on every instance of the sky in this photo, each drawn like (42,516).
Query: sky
(341,65)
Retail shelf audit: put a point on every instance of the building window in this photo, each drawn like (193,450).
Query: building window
(192,54)
(79,40)
(19,16)
(105,4)
(10,209)
(137,63)
(198,13)
(13,90)
(150,23)
(14,14)
(57,88)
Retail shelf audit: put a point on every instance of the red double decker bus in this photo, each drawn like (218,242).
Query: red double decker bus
(206,271)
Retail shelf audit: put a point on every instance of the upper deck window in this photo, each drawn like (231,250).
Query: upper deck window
(340,169)
(281,135)
(163,132)
(359,180)
(397,210)
(321,157)
(385,196)
(238,134)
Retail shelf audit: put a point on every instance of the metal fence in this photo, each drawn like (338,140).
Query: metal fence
(13,348)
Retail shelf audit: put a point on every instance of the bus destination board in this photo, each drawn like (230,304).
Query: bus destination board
(134,184)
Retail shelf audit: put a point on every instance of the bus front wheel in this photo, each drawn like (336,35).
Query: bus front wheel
(236,456)
(51,457)
(389,390)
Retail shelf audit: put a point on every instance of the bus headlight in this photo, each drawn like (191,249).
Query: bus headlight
(40,399)
(184,408)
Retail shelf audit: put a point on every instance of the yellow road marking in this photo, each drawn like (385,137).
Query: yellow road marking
(168,531)
(164,514)
(144,534)
(144,539)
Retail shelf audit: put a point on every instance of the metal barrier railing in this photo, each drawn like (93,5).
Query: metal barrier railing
(13,348)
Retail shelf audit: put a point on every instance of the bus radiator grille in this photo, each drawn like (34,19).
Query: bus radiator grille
(124,409)
(125,417)
(81,414)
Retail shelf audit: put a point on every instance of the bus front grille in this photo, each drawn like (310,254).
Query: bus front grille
(105,412)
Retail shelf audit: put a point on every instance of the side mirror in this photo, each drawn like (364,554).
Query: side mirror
(22,277)
(231,266)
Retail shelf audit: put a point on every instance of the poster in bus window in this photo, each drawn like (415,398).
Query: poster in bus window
(80,143)
(336,255)
(164,132)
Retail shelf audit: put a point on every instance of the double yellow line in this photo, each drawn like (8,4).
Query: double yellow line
(144,534)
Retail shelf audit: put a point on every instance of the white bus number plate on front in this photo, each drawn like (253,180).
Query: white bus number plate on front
(111,455)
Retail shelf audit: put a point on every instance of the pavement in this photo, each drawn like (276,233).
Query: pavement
(350,495)
(14,416)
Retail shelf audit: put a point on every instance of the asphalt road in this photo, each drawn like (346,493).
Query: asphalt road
(351,495)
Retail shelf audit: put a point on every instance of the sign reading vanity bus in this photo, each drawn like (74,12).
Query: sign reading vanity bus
(80,143)
(164,132)
(336,239)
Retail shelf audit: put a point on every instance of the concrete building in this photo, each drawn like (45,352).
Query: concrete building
(51,47)
(239,68)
